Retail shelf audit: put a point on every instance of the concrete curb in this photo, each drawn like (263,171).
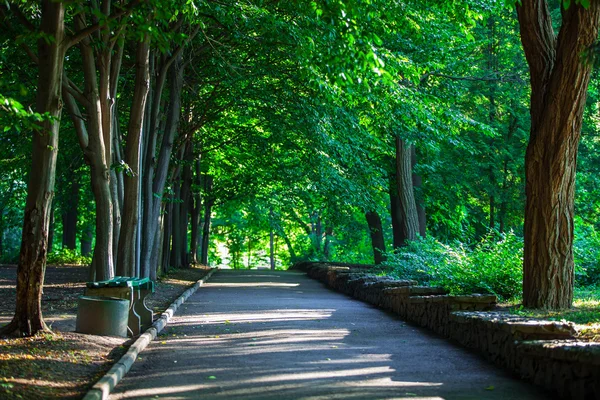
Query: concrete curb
(107,383)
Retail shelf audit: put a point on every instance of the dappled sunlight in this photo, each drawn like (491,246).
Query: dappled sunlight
(263,317)
(254,285)
(324,374)
(259,344)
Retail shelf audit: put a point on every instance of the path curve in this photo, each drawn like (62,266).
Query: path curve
(281,335)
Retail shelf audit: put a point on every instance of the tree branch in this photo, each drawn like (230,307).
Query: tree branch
(83,33)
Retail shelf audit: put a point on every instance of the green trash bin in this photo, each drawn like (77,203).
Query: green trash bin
(105,316)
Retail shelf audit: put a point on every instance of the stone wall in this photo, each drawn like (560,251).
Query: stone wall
(543,352)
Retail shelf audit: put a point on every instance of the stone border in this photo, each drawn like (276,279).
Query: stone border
(107,383)
(545,353)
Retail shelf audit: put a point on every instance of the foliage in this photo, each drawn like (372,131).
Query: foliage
(493,265)
(67,256)
(586,249)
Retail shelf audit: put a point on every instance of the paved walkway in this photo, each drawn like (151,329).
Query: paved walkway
(281,335)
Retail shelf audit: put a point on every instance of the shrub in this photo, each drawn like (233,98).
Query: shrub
(494,265)
(67,256)
(586,251)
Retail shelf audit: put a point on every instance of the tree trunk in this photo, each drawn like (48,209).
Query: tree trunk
(127,254)
(70,216)
(184,206)
(176,225)
(206,232)
(97,143)
(395,214)
(166,244)
(406,197)
(157,170)
(560,75)
(51,231)
(196,214)
(86,241)
(419,200)
(28,318)
(271,242)
(376,232)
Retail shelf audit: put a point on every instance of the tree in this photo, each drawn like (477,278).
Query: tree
(28,318)
(560,69)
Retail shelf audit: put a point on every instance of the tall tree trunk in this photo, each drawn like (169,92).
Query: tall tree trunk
(377,240)
(86,241)
(70,216)
(127,253)
(271,241)
(560,75)
(157,170)
(196,214)
(184,205)
(97,143)
(166,244)
(176,224)
(28,318)
(51,231)
(156,254)
(395,214)
(206,232)
(208,204)
(419,200)
(406,195)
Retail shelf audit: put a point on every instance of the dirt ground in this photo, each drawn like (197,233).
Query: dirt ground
(65,364)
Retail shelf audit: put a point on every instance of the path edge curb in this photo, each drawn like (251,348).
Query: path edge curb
(102,388)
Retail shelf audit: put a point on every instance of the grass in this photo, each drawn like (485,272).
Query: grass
(585,312)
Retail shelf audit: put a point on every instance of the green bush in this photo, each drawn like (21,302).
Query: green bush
(67,256)
(493,265)
(586,251)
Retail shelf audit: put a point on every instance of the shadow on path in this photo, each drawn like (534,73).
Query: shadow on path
(280,335)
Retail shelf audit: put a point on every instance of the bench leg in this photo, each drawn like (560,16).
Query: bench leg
(134,323)
(143,311)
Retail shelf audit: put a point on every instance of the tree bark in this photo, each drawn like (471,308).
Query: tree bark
(377,240)
(417,182)
(157,170)
(196,214)
(560,76)
(70,216)
(409,226)
(28,319)
(127,254)
(86,241)
(395,214)
(166,244)
(271,241)
(51,231)
(208,203)
(95,138)
(184,206)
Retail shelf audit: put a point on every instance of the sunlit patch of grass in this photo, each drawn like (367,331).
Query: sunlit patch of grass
(585,312)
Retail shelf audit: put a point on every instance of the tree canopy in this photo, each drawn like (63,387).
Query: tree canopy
(262,133)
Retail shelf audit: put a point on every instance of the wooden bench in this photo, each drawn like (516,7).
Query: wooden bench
(130,288)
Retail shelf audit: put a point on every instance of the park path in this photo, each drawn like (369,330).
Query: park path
(280,335)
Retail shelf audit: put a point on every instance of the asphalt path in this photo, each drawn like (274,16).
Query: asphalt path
(280,335)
